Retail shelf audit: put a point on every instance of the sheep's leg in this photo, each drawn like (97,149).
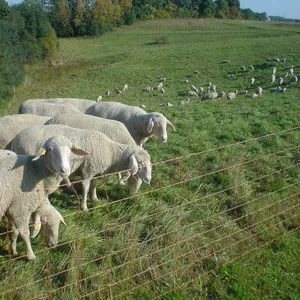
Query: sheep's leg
(93,189)
(24,233)
(120,179)
(14,237)
(85,190)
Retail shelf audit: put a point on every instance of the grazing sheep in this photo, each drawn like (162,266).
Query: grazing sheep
(99,99)
(254,95)
(231,96)
(162,90)
(283,59)
(185,81)
(276,59)
(280,81)
(48,109)
(118,92)
(243,69)
(196,72)
(169,104)
(259,91)
(11,125)
(105,156)
(142,106)
(291,71)
(140,124)
(214,88)
(252,80)
(294,78)
(33,178)
(243,92)
(80,104)
(230,76)
(209,96)
(107,93)
(160,79)
(274,70)
(193,88)
(225,61)
(221,95)
(201,90)
(146,89)
(251,68)
(268,59)
(278,90)
(157,87)
(192,94)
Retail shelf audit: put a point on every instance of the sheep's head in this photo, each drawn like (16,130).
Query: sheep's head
(57,151)
(157,125)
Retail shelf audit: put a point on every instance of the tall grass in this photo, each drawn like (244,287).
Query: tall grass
(229,200)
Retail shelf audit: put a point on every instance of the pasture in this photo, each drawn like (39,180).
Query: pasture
(220,219)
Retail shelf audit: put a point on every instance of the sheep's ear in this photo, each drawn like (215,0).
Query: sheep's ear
(150,124)
(40,153)
(79,151)
(133,165)
(170,125)
(61,218)
(35,230)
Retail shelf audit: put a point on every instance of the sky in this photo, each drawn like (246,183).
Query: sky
(283,8)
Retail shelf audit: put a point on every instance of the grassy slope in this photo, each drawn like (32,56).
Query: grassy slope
(86,68)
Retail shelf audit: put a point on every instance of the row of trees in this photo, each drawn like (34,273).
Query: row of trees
(26,35)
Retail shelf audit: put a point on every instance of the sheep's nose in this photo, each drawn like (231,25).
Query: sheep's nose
(164,139)
(65,171)
(147,180)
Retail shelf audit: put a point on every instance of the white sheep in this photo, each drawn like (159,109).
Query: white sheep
(225,61)
(259,91)
(209,96)
(162,90)
(140,124)
(146,89)
(11,125)
(118,92)
(80,104)
(99,99)
(105,156)
(243,69)
(280,81)
(251,68)
(157,87)
(201,90)
(26,182)
(294,78)
(48,109)
(274,70)
(276,59)
(214,88)
(192,94)
(107,93)
(231,96)
(196,72)
(252,80)
(185,81)
(291,71)
(243,93)
(273,78)
(125,87)
(221,95)
(278,90)
(193,88)
(283,59)
(254,95)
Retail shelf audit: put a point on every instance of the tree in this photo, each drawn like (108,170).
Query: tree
(235,3)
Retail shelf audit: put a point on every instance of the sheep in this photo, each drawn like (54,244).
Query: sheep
(280,81)
(268,59)
(193,88)
(146,89)
(225,61)
(99,99)
(214,88)
(192,94)
(140,124)
(276,59)
(209,96)
(291,71)
(231,96)
(243,92)
(252,80)
(118,92)
(162,90)
(273,78)
(294,78)
(105,156)
(196,72)
(33,178)
(107,93)
(242,68)
(142,106)
(251,68)
(230,76)
(278,90)
(254,95)
(125,87)
(259,91)
(274,70)
(221,95)
(283,59)
(80,104)
(160,79)
(157,87)
(201,90)
(48,109)
(11,125)
(185,81)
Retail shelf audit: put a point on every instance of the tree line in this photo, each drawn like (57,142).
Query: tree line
(29,31)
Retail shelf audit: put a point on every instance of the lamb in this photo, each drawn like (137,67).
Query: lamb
(80,104)
(11,125)
(99,98)
(48,109)
(34,177)
(106,156)
(259,91)
(140,124)
(210,96)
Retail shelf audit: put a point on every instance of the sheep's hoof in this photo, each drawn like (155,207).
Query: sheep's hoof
(95,199)
(31,257)
(84,208)
(14,253)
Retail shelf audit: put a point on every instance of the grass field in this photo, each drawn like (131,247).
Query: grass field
(220,224)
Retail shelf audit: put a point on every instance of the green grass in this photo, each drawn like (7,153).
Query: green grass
(189,240)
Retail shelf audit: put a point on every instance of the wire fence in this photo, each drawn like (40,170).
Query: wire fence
(203,211)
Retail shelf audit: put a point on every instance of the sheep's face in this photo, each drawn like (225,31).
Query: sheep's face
(158,126)
(144,172)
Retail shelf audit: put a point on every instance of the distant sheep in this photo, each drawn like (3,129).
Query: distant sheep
(259,91)
(243,69)
(221,95)
(252,80)
(225,61)
(280,81)
(209,96)
(231,95)
(192,94)
(278,90)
